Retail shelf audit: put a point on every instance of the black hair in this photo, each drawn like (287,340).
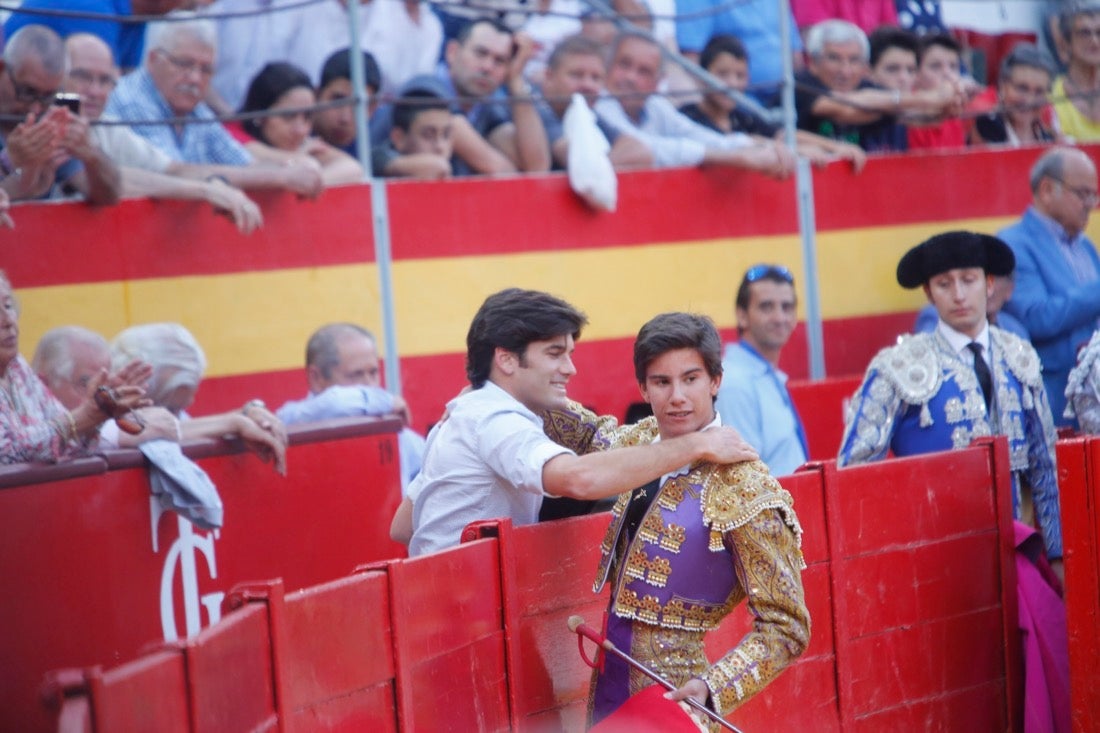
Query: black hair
(722,43)
(338,66)
(273,81)
(510,320)
(938,39)
(671,331)
(885,37)
(465,31)
(408,107)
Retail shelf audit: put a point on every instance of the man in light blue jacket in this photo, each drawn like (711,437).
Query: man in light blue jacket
(1057,293)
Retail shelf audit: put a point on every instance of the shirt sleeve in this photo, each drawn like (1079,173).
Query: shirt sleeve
(667,151)
(338,401)
(516,449)
(768,565)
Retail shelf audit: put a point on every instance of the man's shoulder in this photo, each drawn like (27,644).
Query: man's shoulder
(1019,355)
(487,401)
(131,92)
(1023,231)
(911,366)
(736,359)
(735,493)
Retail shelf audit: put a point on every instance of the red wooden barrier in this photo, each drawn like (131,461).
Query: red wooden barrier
(546,577)
(1078,482)
(446,612)
(95,571)
(820,403)
(146,695)
(911,584)
(331,645)
(230,680)
(923,589)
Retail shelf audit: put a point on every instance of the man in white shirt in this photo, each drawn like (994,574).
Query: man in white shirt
(490,457)
(144,168)
(636,110)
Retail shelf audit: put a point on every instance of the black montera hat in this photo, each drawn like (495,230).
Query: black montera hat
(951,250)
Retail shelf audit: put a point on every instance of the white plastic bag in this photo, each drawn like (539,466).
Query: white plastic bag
(591,174)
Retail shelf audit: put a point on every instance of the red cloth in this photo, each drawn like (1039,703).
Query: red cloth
(647,712)
(947,135)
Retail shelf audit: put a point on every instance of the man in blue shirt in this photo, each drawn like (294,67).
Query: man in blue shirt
(753,397)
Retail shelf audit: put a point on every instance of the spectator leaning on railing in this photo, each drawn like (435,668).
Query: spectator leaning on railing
(170,86)
(674,140)
(286,136)
(833,98)
(483,77)
(145,170)
(1022,115)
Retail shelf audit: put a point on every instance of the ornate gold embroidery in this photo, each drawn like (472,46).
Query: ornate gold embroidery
(673,536)
(672,493)
(652,526)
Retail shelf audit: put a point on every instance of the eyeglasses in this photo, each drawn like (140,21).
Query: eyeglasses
(28,94)
(1089,196)
(1085,33)
(773,272)
(186,66)
(84,76)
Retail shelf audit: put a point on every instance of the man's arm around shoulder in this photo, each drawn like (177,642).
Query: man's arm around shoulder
(600,475)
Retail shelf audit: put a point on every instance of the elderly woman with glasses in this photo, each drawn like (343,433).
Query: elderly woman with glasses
(1022,115)
(34,425)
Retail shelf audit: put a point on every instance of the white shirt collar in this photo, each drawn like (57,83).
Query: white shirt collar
(959,341)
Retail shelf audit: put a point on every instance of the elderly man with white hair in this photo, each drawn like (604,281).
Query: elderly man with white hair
(834,98)
(178,363)
(69,359)
(170,87)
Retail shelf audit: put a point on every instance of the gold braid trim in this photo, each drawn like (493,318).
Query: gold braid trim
(734,494)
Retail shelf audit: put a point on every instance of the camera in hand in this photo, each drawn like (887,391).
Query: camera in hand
(65,99)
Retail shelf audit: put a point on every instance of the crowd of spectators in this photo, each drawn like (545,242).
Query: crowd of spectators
(460,89)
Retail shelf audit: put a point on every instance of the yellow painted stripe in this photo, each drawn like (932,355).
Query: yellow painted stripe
(260,321)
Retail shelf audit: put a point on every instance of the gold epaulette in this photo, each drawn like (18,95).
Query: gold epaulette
(734,494)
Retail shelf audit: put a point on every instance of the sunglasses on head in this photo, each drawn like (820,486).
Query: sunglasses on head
(758,272)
